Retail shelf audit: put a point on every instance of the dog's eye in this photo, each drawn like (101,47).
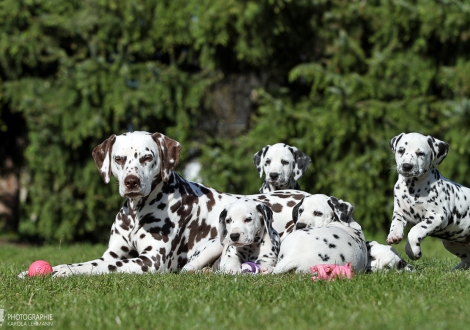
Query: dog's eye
(120,160)
(248,220)
(300,211)
(420,154)
(227,221)
(284,162)
(146,159)
(317,213)
(401,151)
(268,162)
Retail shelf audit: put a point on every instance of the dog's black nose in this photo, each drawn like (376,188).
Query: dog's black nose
(274,176)
(406,167)
(300,225)
(132,182)
(234,237)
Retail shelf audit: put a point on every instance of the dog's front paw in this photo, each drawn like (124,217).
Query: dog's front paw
(188,269)
(394,238)
(23,275)
(413,250)
(61,271)
(266,269)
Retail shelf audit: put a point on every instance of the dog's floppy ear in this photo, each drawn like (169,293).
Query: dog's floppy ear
(267,215)
(302,162)
(258,159)
(102,156)
(295,211)
(342,210)
(222,228)
(394,142)
(439,149)
(169,151)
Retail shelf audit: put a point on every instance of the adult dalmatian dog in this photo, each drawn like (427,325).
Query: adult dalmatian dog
(245,231)
(326,233)
(434,205)
(165,218)
(282,164)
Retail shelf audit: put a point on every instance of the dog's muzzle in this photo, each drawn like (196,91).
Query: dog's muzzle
(133,186)
(406,169)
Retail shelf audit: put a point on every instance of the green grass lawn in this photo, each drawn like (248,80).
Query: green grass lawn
(430,298)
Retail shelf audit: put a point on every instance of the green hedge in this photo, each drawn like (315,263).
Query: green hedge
(337,79)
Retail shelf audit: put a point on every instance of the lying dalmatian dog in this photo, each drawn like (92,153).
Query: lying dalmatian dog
(245,229)
(165,218)
(326,233)
(283,165)
(434,205)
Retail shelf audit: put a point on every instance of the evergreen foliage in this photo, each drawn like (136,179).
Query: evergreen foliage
(338,79)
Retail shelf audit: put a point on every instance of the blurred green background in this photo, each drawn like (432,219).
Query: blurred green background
(337,79)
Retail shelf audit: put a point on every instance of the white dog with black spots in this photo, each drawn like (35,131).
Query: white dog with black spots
(326,233)
(246,232)
(432,204)
(282,165)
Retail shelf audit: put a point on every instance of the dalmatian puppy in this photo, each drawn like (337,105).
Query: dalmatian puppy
(326,233)
(165,220)
(432,204)
(245,229)
(282,164)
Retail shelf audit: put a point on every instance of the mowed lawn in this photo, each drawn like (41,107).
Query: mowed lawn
(430,298)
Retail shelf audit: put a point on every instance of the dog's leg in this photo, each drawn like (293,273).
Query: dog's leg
(397,229)
(230,261)
(460,250)
(204,255)
(425,228)
(119,257)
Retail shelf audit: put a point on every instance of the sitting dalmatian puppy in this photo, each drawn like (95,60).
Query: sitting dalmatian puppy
(326,233)
(283,165)
(434,205)
(245,229)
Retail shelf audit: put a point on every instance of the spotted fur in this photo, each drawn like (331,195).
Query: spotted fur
(326,233)
(165,219)
(282,164)
(432,204)
(245,229)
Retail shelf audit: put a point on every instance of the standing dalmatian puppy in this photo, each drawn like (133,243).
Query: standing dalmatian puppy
(434,205)
(245,229)
(165,219)
(283,165)
(326,233)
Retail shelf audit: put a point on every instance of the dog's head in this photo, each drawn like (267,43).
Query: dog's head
(280,163)
(416,154)
(320,210)
(137,160)
(245,222)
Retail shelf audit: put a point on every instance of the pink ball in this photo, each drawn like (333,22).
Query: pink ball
(39,267)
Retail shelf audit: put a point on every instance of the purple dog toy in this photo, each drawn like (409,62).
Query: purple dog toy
(250,267)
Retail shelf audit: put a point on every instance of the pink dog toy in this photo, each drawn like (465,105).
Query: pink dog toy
(330,272)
